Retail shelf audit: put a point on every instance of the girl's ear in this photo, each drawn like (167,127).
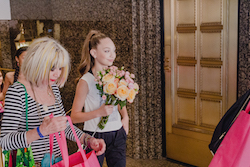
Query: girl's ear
(17,60)
(93,53)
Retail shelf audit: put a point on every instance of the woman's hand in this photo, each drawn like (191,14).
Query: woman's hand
(105,110)
(125,124)
(98,145)
(53,125)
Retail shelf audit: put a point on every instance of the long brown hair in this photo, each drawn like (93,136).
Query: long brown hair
(18,53)
(87,61)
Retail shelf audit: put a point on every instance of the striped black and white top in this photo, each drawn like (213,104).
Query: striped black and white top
(13,129)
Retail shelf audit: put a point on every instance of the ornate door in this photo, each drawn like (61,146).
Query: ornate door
(200,73)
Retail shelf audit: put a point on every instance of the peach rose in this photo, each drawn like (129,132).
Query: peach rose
(131,95)
(110,88)
(122,92)
(122,82)
(136,87)
(108,78)
(116,80)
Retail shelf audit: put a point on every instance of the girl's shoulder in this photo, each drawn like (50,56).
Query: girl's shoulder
(88,74)
(89,78)
(10,76)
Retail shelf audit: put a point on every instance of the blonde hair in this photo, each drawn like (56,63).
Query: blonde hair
(92,40)
(43,54)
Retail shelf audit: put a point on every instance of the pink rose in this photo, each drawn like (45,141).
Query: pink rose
(104,97)
(131,86)
(122,73)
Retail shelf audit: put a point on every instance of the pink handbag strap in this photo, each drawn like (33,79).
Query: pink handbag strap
(77,140)
(63,145)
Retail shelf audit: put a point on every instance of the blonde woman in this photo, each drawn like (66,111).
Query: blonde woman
(45,68)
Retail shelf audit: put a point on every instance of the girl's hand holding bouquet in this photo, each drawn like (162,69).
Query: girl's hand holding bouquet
(116,87)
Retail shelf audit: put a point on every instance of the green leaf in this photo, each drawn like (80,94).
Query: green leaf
(113,98)
(123,103)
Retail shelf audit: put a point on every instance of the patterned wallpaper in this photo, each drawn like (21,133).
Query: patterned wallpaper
(244,48)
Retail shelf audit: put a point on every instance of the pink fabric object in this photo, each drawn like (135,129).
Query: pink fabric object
(234,149)
(78,159)
(1,106)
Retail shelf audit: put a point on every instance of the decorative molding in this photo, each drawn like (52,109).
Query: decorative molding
(186,28)
(194,129)
(207,126)
(7,69)
(186,121)
(213,27)
(211,96)
(186,61)
(211,62)
(187,93)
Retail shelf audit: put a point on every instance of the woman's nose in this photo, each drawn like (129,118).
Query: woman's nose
(57,73)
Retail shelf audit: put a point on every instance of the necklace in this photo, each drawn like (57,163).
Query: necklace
(45,107)
(49,90)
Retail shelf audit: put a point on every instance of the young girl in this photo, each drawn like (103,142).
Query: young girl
(99,52)
(12,77)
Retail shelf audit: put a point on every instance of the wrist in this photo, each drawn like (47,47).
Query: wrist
(39,132)
(86,140)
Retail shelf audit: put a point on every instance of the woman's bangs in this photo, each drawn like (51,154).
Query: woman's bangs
(60,60)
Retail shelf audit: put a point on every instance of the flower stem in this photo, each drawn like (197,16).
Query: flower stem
(103,122)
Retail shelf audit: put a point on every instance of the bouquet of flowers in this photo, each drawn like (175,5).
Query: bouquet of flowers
(116,86)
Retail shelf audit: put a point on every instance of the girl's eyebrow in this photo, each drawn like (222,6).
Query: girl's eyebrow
(108,48)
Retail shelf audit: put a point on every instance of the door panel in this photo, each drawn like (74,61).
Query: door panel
(200,55)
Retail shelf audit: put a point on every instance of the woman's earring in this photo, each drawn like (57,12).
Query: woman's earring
(17,64)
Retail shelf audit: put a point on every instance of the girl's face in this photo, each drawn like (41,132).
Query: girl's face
(105,53)
(54,75)
(1,78)
(21,58)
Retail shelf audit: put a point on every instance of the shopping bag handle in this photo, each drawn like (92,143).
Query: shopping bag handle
(78,141)
(63,144)
(61,140)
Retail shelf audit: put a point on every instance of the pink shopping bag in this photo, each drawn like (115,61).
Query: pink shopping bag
(78,159)
(234,150)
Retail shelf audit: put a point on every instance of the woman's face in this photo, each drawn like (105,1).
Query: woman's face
(54,75)
(1,78)
(105,53)
(21,58)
